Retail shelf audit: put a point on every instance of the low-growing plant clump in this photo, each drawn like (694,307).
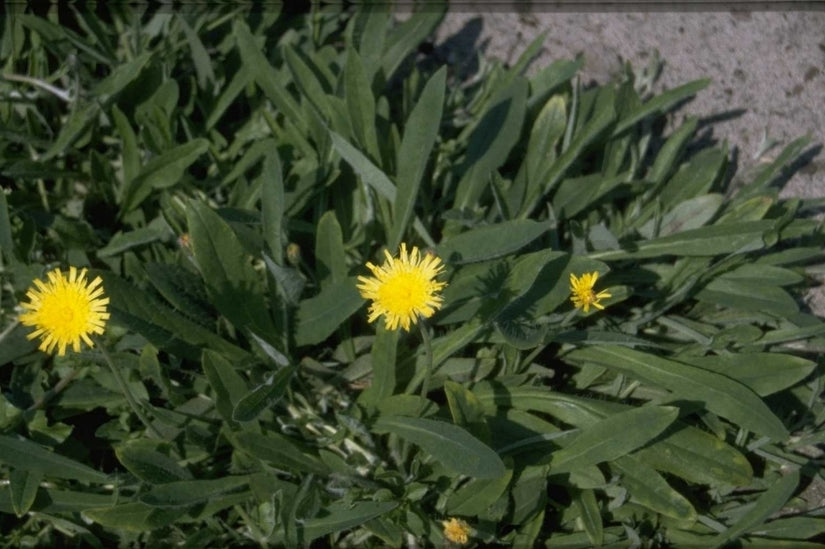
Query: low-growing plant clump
(277,280)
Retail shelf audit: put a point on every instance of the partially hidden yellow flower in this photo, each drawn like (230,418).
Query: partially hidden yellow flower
(581,290)
(403,289)
(65,310)
(456,530)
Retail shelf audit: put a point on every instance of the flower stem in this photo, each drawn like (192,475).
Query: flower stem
(428,358)
(124,387)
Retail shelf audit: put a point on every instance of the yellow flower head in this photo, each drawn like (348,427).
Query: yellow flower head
(456,530)
(403,289)
(581,290)
(65,310)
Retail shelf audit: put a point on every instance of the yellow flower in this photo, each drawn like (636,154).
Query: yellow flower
(403,289)
(456,530)
(581,290)
(65,310)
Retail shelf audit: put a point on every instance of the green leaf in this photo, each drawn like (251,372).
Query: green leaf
(157,230)
(764,373)
(280,451)
(272,205)
(320,316)
(230,280)
(257,67)
(491,142)
(383,355)
(585,502)
(200,57)
(721,395)
(290,281)
(465,407)
(6,240)
(374,177)
(768,503)
(134,516)
(130,154)
(477,496)
(23,486)
(143,460)
(263,396)
(406,37)
(649,488)
(694,178)
(228,385)
(329,250)
(25,455)
(697,456)
(191,492)
(121,76)
(689,214)
(597,443)
(360,103)
(454,447)
(661,103)
(420,132)
(791,528)
(672,150)
(309,86)
(702,242)
(490,241)
(601,119)
(340,517)
(161,172)
(748,296)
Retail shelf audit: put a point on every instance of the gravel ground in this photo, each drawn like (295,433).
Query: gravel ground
(767,68)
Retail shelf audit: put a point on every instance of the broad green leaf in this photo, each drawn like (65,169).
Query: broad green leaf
(228,385)
(672,150)
(405,38)
(200,57)
(721,395)
(420,132)
(764,373)
(769,173)
(121,77)
(25,455)
(134,516)
(272,205)
(704,241)
(340,516)
(694,178)
(162,172)
(649,488)
(697,456)
(374,177)
(329,250)
(230,279)
(748,296)
(263,396)
(280,452)
(129,154)
(310,87)
(78,122)
(595,126)
(449,444)
(360,103)
(577,194)
(319,316)
(6,240)
(598,443)
(384,350)
(661,103)
(476,497)
(465,408)
(258,68)
(585,502)
(155,231)
(23,486)
(143,460)
(689,214)
(490,241)
(184,493)
(791,528)
(491,142)
(768,503)
(290,281)
(276,356)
